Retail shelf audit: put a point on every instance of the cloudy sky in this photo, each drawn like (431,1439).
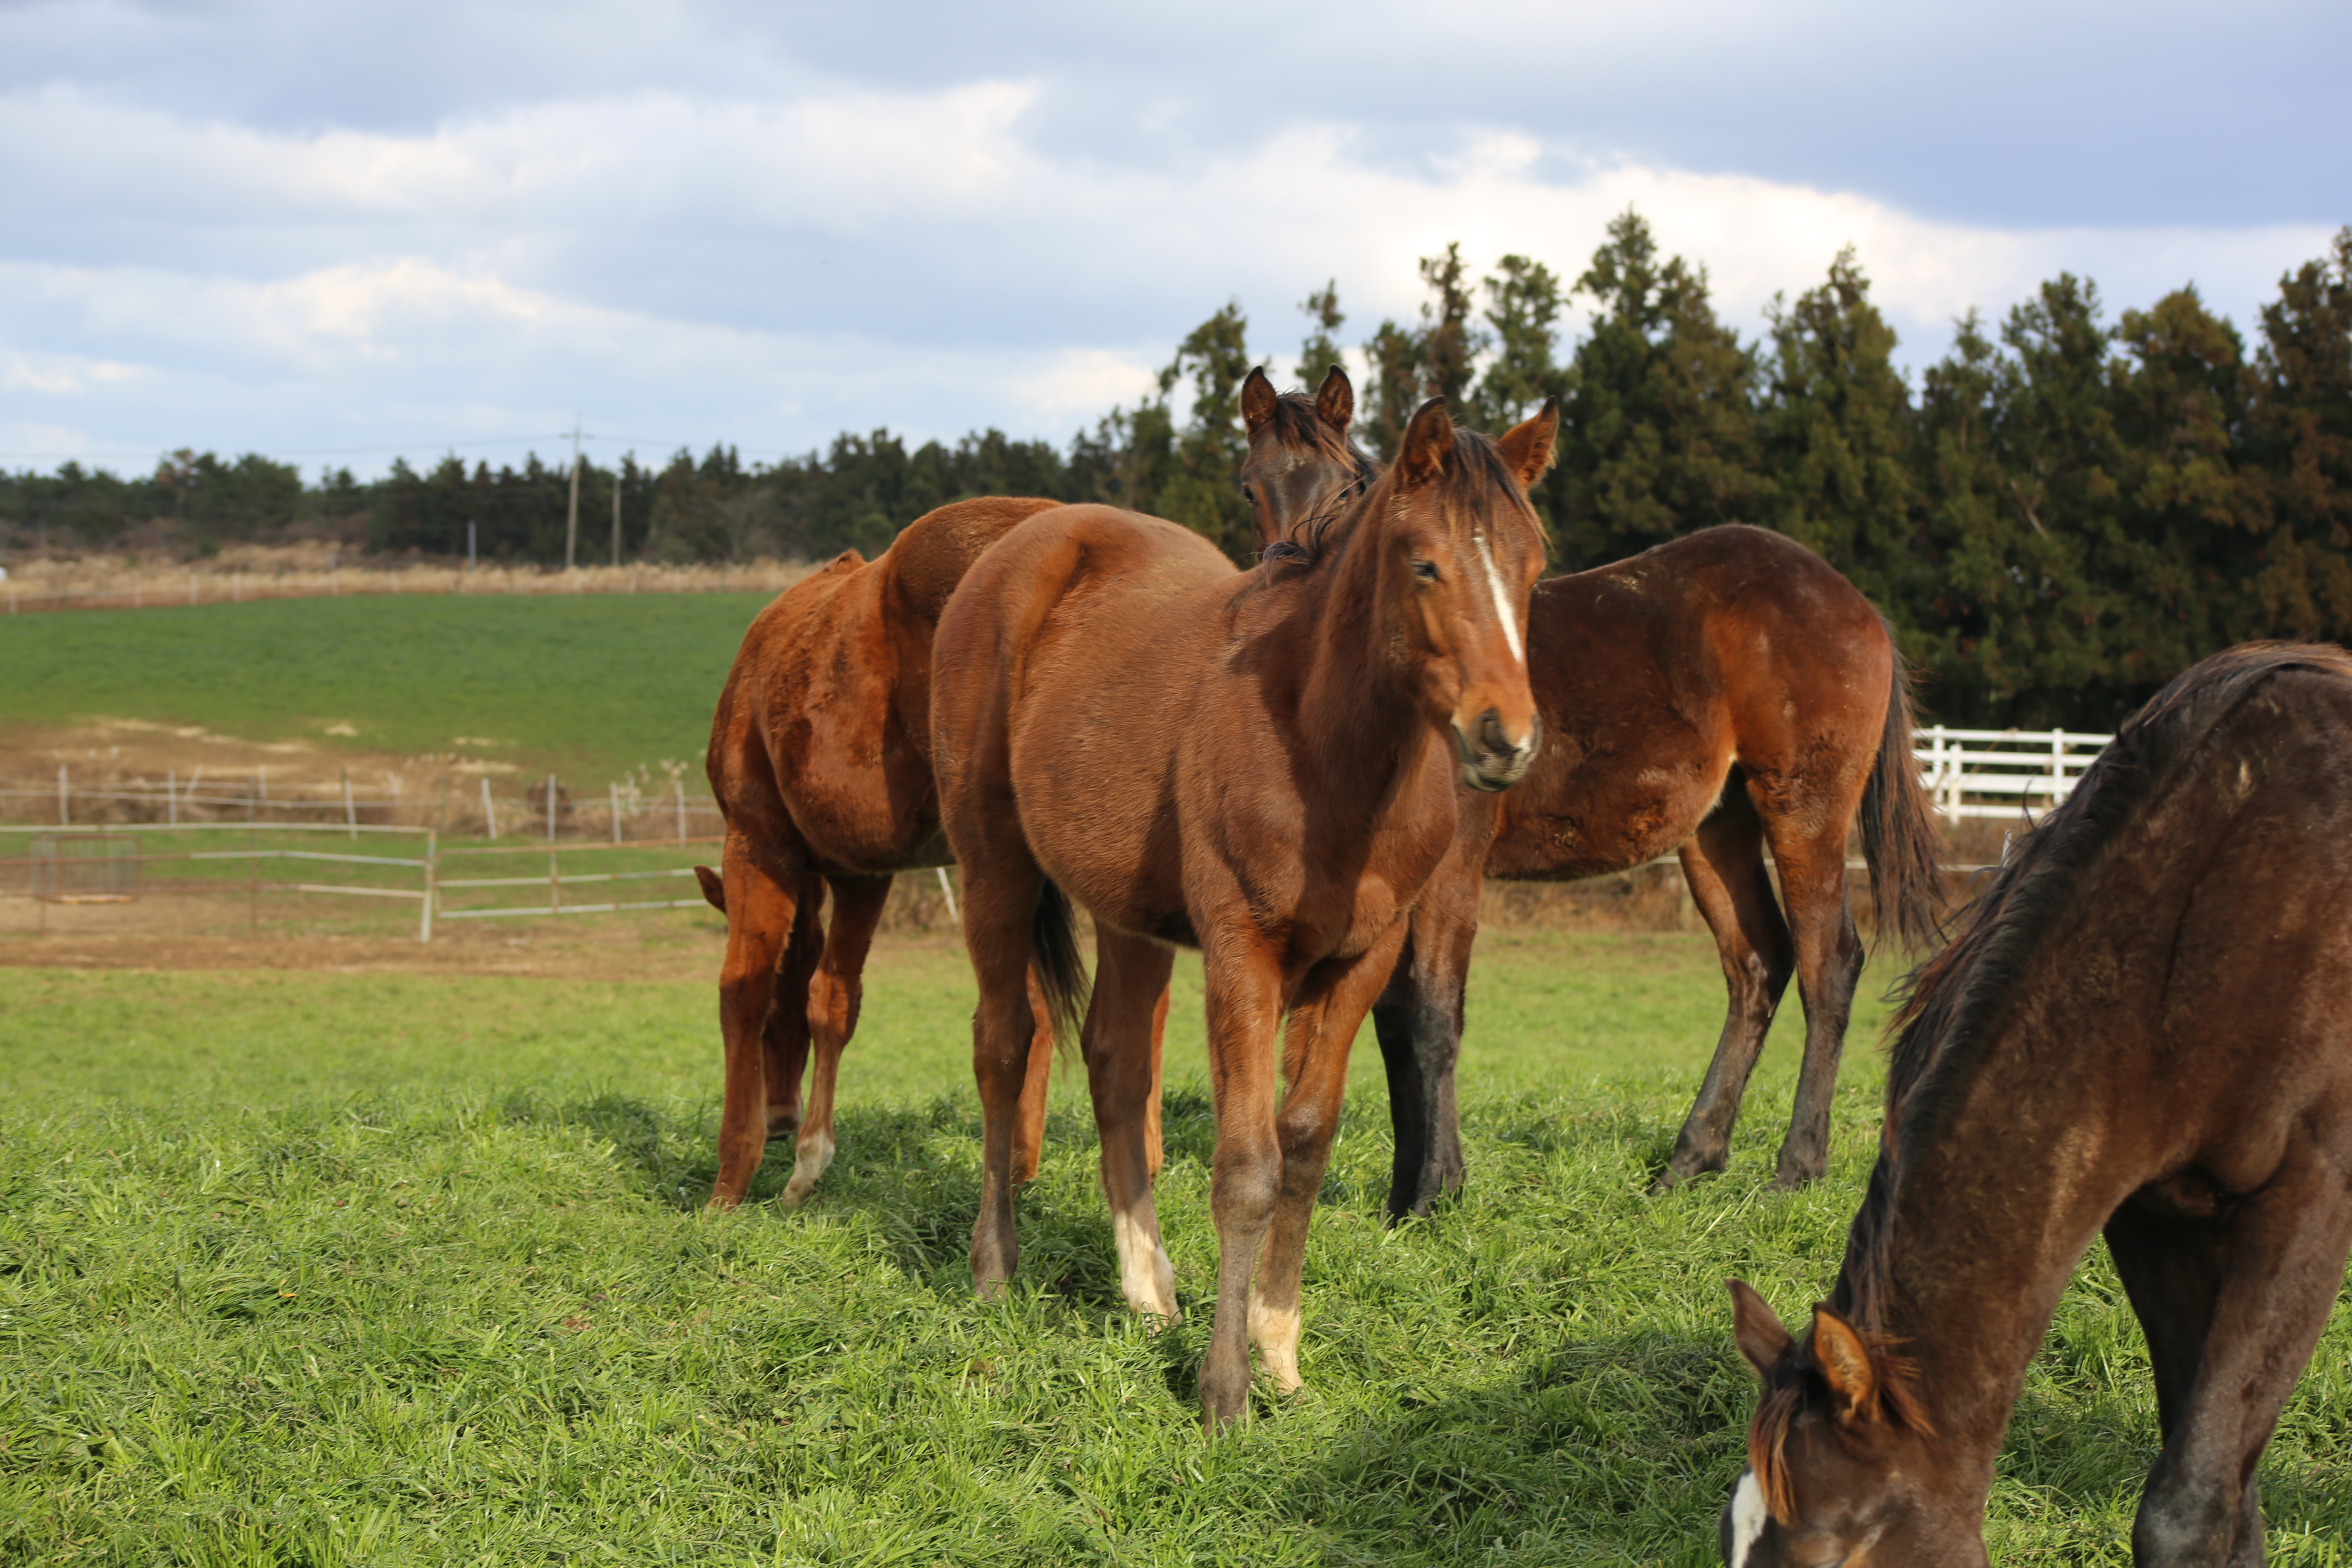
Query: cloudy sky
(330,231)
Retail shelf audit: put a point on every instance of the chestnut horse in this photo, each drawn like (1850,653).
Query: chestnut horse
(2145,1028)
(820,759)
(1722,692)
(1259,764)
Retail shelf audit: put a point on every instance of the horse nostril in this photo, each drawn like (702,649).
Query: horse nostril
(1492,739)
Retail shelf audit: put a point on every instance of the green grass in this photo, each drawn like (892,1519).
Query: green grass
(332,1269)
(590,687)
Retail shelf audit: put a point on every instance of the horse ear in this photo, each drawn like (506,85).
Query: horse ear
(1526,446)
(1428,442)
(1257,399)
(1335,400)
(1757,1328)
(714,887)
(1845,1364)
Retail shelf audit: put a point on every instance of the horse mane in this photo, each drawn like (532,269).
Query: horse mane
(1475,474)
(1951,1005)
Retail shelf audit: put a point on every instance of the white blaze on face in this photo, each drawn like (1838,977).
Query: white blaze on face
(1748,1517)
(1502,604)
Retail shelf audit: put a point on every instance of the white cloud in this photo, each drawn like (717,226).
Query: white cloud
(772,272)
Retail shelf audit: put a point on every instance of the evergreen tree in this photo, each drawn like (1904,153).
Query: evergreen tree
(1450,343)
(2298,490)
(1199,492)
(1523,306)
(2180,400)
(1395,359)
(1321,350)
(1836,432)
(1658,431)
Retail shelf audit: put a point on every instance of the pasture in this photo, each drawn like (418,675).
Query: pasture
(347,1267)
(591,687)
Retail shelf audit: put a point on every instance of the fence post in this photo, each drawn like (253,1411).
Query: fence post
(677,785)
(261,773)
(432,884)
(490,811)
(65,818)
(171,795)
(2057,766)
(350,811)
(612,791)
(948,893)
(551,811)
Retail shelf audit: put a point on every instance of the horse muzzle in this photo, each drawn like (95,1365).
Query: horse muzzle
(1486,756)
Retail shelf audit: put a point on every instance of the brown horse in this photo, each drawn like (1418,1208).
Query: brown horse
(2145,1028)
(1716,695)
(1261,765)
(820,757)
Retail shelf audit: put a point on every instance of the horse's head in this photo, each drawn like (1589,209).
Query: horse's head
(1841,1458)
(1300,463)
(1461,550)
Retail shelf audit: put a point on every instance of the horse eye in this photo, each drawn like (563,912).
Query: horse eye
(1425,570)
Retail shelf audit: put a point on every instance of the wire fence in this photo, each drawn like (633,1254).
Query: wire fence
(134,587)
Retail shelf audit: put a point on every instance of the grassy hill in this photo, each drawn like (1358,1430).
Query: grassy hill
(590,687)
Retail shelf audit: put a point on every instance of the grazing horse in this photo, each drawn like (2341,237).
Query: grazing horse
(1718,694)
(820,759)
(1258,764)
(2145,1028)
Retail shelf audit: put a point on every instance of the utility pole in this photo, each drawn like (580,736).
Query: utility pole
(616,514)
(572,520)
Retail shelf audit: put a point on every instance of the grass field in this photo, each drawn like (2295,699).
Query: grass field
(589,687)
(323,1270)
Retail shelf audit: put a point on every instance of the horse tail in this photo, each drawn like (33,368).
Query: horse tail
(1900,841)
(1054,953)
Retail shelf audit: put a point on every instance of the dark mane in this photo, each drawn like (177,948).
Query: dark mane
(1952,1005)
(1477,472)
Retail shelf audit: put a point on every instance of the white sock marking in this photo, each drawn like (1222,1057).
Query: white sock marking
(1502,605)
(1748,1517)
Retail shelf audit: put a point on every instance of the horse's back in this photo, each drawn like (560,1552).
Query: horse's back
(931,554)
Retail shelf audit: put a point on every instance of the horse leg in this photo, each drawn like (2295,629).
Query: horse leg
(1001,901)
(1319,1035)
(1128,973)
(1243,1004)
(1029,1130)
(786,1040)
(833,1003)
(1829,961)
(1154,1155)
(1418,1021)
(1723,865)
(760,912)
(2279,1253)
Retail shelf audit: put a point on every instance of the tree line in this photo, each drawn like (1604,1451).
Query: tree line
(2057,516)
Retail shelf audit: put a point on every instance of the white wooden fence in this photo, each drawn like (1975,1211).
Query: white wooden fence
(2002,773)
(50,865)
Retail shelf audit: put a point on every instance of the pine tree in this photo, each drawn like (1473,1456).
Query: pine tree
(1199,492)
(1523,306)
(1837,433)
(1450,344)
(2298,490)
(1394,355)
(1658,431)
(1321,350)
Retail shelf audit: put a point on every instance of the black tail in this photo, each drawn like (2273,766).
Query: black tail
(1053,952)
(1899,837)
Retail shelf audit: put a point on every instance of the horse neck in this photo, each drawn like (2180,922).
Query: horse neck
(1350,708)
(1994,1199)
